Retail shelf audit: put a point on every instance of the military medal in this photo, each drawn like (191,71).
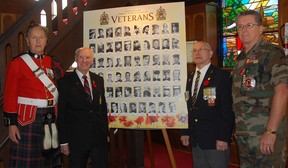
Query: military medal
(213,93)
(50,73)
(254,60)
(209,94)
(206,93)
(249,83)
(212,97)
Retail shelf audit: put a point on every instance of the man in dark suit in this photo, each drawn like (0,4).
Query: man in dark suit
(211,118)
(82,118)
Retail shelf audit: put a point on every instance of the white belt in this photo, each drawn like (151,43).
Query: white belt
(42,103)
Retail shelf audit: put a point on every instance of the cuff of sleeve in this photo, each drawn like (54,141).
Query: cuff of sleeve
(10,119)
(64,144)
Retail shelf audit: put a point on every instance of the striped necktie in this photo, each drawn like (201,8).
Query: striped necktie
(86,87)
(194,96)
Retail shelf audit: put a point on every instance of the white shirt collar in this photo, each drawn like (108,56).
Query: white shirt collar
(204,69)
(80,75)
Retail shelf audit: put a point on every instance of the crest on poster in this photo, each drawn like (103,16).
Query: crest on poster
(104,19)
(161,14)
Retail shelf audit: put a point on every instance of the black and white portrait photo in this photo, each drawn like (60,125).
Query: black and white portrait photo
(118,92)
(127,61)
(109,92)
(109,32)
(100,33)
(114,107)
(175,27)
(118,46)
(118,32)
(146,60)
(92,34)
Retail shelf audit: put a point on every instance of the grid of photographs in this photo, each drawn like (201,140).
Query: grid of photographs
(141,67)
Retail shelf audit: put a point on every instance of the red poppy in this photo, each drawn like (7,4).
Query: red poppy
(122,119)
(164,119)
(111,118)
(151,119)
(94,84)
(206,83)
(169,121)
(128,123)
(139,120)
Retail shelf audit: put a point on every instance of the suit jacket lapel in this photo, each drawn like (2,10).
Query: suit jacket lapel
(78,83)
(94,84)
(208,76)
(189,83)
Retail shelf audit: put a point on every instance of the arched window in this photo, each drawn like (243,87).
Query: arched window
(8,53)
(64,11)
(8,20)
(21,41)
(64,4)
(53,9)
(43,18)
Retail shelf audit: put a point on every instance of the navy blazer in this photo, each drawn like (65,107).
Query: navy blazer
(80,120)
(210,123)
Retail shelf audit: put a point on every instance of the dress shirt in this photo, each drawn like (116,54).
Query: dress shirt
(203,71)
(80,75)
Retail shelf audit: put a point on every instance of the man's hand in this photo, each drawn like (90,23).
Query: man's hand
(65,150)
(267,142)
(221,145)
(14,134)
(185,140)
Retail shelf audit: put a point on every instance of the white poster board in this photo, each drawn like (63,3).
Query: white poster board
(141,53)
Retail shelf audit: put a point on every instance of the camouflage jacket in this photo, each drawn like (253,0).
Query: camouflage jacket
(255,75)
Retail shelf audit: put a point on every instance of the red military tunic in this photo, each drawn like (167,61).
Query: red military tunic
(21,81)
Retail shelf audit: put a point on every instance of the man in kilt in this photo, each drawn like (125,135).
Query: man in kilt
(30,96)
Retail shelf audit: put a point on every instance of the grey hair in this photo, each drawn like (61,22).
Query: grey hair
(82,48)
(258,17)
(32,25)
(207,45)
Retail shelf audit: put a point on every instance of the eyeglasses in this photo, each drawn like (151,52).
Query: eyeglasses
(200,50)
(247,26)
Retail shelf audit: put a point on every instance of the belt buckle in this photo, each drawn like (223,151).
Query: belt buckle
(50,102)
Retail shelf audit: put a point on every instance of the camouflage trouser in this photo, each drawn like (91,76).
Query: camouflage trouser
(251,156)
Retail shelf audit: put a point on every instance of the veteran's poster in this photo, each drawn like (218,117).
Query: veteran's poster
(140,51)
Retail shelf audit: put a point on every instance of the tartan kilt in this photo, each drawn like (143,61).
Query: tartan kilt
(28,153)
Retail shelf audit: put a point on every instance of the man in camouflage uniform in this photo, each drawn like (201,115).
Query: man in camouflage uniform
(259,91)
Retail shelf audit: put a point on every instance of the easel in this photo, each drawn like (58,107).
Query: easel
(169,149)
(149,142)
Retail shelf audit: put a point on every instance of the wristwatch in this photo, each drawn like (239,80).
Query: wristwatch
(270,131)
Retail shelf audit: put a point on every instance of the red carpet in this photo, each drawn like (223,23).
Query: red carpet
(161,158)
